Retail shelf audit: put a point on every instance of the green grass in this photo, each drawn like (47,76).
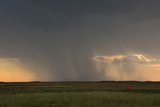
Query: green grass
(80,94)
(81,99)
(59,87)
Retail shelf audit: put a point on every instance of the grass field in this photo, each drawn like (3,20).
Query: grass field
(80,94)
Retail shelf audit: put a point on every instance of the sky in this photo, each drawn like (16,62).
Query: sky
(79,40)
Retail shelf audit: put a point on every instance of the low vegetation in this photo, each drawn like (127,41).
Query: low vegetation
(80,94)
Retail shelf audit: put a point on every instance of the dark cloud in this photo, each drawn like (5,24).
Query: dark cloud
(64,35)
(72,7)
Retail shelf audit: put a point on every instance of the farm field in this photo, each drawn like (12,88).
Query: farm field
(80,94)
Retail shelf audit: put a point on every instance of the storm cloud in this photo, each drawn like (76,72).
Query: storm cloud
(57,39)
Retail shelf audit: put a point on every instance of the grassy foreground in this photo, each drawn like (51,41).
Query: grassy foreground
(80,94)
(82,99)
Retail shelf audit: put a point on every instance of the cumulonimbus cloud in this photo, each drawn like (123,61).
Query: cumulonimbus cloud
(128,67)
